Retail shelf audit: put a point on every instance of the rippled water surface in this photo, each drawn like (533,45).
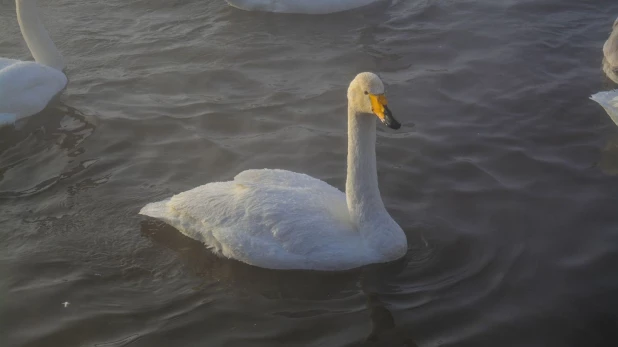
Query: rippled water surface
(503,175)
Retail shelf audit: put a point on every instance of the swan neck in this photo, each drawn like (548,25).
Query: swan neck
(362,193)
(36,36)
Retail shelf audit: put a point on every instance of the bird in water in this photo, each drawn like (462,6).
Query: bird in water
(609,99)
(26,87)
(279,219)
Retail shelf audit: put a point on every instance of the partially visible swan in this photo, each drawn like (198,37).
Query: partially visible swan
(299,6)
(279,219)
(609,101)
(27,87)
(610,54)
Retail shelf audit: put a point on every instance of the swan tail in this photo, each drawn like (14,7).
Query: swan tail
(158,210)
(609,101)
(7,119)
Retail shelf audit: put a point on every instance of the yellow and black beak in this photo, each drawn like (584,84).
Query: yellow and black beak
(380,109)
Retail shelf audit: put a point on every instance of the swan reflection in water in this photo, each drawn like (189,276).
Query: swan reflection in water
(608,162)
(39,151)
(384,330)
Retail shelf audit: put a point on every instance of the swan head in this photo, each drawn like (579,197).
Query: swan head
(366,96)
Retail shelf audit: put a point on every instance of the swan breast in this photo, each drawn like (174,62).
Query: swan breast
(27,87)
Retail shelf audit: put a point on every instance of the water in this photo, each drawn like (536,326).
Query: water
(503,175)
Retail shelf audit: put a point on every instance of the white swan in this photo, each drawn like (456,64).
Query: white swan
(610,54)
(285,220)
(27,87)
(299,6)
(609,101)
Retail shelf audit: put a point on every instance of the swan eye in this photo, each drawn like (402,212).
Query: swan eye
(366,92)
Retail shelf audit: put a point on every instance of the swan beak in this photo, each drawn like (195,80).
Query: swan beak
(380,108)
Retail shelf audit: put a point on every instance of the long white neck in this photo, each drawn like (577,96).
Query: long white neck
(376,227)
(362,193)
(40,44)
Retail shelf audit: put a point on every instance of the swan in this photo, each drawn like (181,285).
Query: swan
(299,6)
(26,87)
(610,54)
(609,101)
(279,219)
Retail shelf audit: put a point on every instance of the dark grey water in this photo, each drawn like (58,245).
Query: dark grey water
(503,176)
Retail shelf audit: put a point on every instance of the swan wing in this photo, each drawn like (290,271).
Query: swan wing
(609,101)
(269,218)
(27,87)
(299,6)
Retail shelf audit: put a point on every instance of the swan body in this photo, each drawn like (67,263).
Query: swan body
(609,101)
(280,219)
(27,87)
(610,54)
(299,6)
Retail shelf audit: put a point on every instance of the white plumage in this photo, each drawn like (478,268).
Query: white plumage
(27,87)
(610,48)
(610,54)
(299,6)
(609,101)
(284,220)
